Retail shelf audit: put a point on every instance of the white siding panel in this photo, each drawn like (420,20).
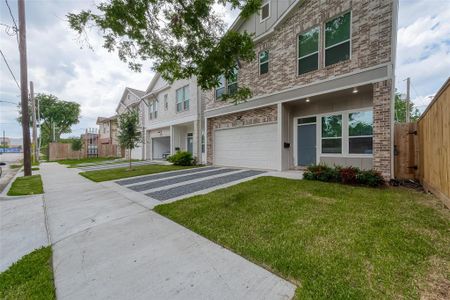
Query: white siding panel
(249,147)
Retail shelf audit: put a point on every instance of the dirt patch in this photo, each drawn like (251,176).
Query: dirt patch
(436,283)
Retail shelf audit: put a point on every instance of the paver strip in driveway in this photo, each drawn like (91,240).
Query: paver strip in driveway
(178,179)
(140,179)
(190,188)
(107,246)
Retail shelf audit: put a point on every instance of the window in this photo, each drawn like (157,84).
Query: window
(265,11)
(151,109)
(203,142)
(182,98)
(220,90)
(332,134)
(337,39)
(155,108)
(308,51)
(227,85)
(166,102)
(263,62)
(360,131)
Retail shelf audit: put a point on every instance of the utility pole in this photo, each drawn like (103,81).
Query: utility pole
(408,99)
(33,111)
(24,89)
(39,124)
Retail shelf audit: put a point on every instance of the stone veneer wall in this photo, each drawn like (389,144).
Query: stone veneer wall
(250,117)
(382,131)
(370,44)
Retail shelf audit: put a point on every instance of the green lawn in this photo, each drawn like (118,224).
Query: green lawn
(28,185)
(29,278)
(15,166)
(333,241)
(117,173)
(71,163)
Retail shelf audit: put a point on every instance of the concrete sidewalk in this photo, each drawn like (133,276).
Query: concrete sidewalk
(22,228)
(108,244)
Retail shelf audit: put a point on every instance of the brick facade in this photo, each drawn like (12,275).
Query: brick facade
(249,117)
(382,131)
(370,45)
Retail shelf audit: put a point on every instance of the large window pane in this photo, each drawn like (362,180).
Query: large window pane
(264,68)
(308,64)
(308,42)
(332,146)
(220,90)
(360,145)
(337,30)
(337,53)
(263,62)
(360,123)
(332,126)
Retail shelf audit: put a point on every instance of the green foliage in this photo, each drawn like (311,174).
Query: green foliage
(52,110)
(335,241)
(400,110)
(129,134)
(27,185)
(183,38)
(182,158)
(118,173)
(346,175)
(77,144)
(29,278)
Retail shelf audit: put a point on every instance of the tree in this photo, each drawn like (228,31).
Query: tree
(400,110)
(129,135)
(183,38)
(77,145)
(55,115)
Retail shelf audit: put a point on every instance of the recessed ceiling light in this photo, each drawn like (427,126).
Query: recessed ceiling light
(308,100)
(355,90)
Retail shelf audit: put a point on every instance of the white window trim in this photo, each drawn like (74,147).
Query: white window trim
(267,62)
(260,12)
(344,135)
(183,109)
(325,48)
(304,56)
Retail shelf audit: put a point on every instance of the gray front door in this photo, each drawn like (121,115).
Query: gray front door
(306,144)
(190,143)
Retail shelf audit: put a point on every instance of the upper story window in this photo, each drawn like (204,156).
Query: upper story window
(166,102)
(337,39)
(360,132)
(151,110)
(263,62)
(265,11)
(308,51)
(155,108)
(182,98)
(227,85)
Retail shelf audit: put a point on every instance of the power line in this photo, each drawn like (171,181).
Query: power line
(16,28)
(10,71)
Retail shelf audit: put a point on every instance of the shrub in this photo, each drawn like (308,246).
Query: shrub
(321,173)
(371,178)
(348,175)
(182,158)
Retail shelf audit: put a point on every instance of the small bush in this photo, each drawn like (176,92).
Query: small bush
(182,158)
(322,173)
(371,178)
(346,175)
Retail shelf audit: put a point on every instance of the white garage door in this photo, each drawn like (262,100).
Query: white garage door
(250,147)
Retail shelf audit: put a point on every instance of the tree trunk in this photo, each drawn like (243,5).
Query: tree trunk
(130,159)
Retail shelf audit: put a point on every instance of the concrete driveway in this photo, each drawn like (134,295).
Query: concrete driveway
(107,244)
(171,186)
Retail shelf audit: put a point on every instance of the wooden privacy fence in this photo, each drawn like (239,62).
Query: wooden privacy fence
(422,149)
(58,151)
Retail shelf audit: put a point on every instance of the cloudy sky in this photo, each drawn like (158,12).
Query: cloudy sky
(96,79)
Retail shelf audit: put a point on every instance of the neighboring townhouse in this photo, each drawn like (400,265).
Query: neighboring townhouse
(107,130)
(131,100)
(322,84)
(173,118)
